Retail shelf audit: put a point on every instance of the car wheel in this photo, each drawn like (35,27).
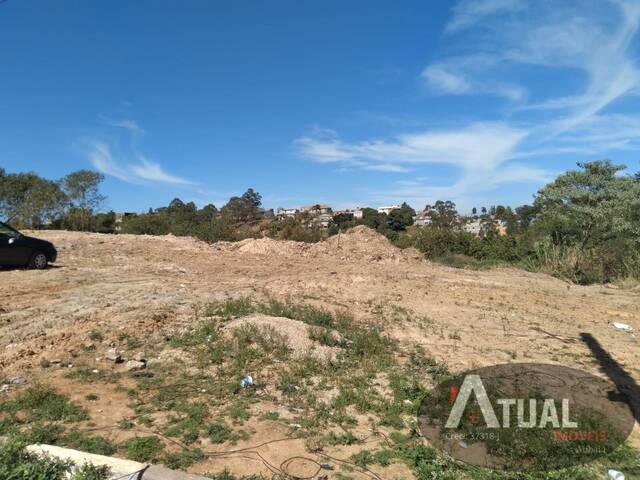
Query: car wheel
(38,261)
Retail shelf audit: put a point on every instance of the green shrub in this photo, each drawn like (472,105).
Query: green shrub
(219,432)
(42,403)
(143,449)
(17,464)
(87,443)
(346,438)
(183,459)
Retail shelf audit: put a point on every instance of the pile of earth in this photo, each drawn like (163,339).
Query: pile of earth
(295,333)
(359,244)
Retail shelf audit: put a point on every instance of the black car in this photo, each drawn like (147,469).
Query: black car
(19,250)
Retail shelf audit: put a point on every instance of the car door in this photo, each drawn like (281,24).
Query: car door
(14,249)
(19,250)
(5,250)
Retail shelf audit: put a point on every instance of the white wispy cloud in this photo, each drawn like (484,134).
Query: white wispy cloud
(586,40)
(137,170)
(442,78)
(125,123)
(151,171)
(482,156)
(602,52)
(467,191)
(481,147)
(468,13)
(593,39)
(126,164)
(100,156)
(465,75)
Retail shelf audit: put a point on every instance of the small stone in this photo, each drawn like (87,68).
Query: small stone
(113,356)
(135,365)
(55,361)
(140,357)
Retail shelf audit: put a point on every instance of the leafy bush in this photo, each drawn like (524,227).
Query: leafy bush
(41,402)
(143,449)
(87,443)
(18,464)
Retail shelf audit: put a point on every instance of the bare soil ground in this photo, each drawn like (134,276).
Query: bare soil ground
(134,290)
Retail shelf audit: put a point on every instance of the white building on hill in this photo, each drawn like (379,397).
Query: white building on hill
(388,210)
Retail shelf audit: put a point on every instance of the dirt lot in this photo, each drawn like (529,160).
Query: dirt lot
(144,288)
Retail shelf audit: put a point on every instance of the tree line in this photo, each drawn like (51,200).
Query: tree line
(583,226)
(28,200)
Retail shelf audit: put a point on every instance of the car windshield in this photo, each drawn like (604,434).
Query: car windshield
(7,230)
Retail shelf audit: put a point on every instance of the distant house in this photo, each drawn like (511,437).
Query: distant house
(120,216)
(317,209)
(477,226)
(324,220)
(287,212)
(388,210)
(474,227)
(501,226)
(357,213)
(321,221)
(266,212)
(422,220)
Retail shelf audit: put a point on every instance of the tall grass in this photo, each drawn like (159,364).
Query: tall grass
(584,266)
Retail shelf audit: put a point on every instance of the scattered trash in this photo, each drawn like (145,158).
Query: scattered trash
(95,370)
(4,388)
(463,444)
(17,381)
(622,326)
(246,381)
(113,355)
(326,466)
(135,365)
(615,474)
(295,425)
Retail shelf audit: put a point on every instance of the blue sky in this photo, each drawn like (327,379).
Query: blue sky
(351,103)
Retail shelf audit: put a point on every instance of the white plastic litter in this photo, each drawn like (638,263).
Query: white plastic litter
(246,381)
(615,474)
(622,326)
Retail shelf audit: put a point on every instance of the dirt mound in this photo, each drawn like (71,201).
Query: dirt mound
(360,244)
(264,246)
(295,331)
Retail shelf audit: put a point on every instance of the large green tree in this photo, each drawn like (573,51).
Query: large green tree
(82,189)
(243,209)
(29,200)
(443,214)
(589,206)
(400,218)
